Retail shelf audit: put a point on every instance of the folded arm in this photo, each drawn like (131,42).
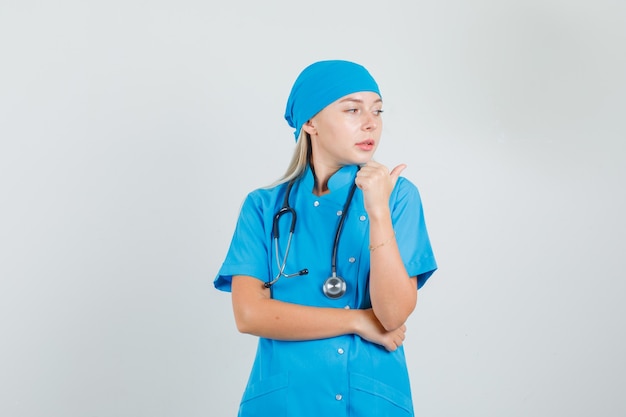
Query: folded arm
(258,314)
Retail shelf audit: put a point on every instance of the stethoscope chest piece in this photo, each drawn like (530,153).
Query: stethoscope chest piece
(334,287)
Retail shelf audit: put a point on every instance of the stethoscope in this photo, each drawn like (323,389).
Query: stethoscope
(334,286)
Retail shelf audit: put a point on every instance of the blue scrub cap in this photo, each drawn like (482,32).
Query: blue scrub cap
(322,83)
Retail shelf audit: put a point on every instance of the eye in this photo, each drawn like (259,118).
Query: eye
(378,112)
(352,110)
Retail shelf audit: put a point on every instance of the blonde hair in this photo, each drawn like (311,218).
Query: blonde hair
(299,160)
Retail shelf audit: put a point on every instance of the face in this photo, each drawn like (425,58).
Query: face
(347,131)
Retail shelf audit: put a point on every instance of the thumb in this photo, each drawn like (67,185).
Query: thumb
(395,173)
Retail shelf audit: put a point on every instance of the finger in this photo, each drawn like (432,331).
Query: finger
(395,173)
(371,163)
(374,167)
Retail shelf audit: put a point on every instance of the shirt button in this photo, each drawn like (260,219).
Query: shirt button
(352,260)
(339,213)
(362,218)
(317,203)
(338,397)
(340,351)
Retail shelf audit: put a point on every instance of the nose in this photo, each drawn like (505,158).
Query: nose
(370,121)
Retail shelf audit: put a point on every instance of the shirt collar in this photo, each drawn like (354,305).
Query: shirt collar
(340,181)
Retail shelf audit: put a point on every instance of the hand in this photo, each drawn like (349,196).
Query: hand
(377,182)
(370,329)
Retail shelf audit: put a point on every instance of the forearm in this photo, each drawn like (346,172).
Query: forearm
(392,292)
(258,314)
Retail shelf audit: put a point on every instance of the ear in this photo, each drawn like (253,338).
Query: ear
(309,127)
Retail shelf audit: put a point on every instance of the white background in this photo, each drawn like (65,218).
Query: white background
(131,131)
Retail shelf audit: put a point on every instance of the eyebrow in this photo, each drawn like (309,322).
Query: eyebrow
(357,100)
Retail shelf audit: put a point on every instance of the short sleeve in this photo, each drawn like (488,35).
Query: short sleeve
(411,234)
(248,251)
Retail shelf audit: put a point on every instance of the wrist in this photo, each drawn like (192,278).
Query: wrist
(372,247)
(379,213)
(356,321)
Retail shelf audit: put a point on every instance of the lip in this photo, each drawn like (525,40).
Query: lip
(366,145)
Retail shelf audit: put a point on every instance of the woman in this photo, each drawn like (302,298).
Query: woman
(329,301)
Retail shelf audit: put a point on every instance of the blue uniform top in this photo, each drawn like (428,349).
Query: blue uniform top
(339,376)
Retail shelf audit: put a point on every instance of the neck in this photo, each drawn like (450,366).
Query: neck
(322,174)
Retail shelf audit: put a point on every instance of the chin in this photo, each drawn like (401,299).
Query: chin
(356,162)
(360,159)
(363,159)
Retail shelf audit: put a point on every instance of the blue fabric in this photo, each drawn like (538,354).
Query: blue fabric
(322,83)
(304,378)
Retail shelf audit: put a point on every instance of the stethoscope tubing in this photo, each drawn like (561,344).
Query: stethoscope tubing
(344,214)
(334,286)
